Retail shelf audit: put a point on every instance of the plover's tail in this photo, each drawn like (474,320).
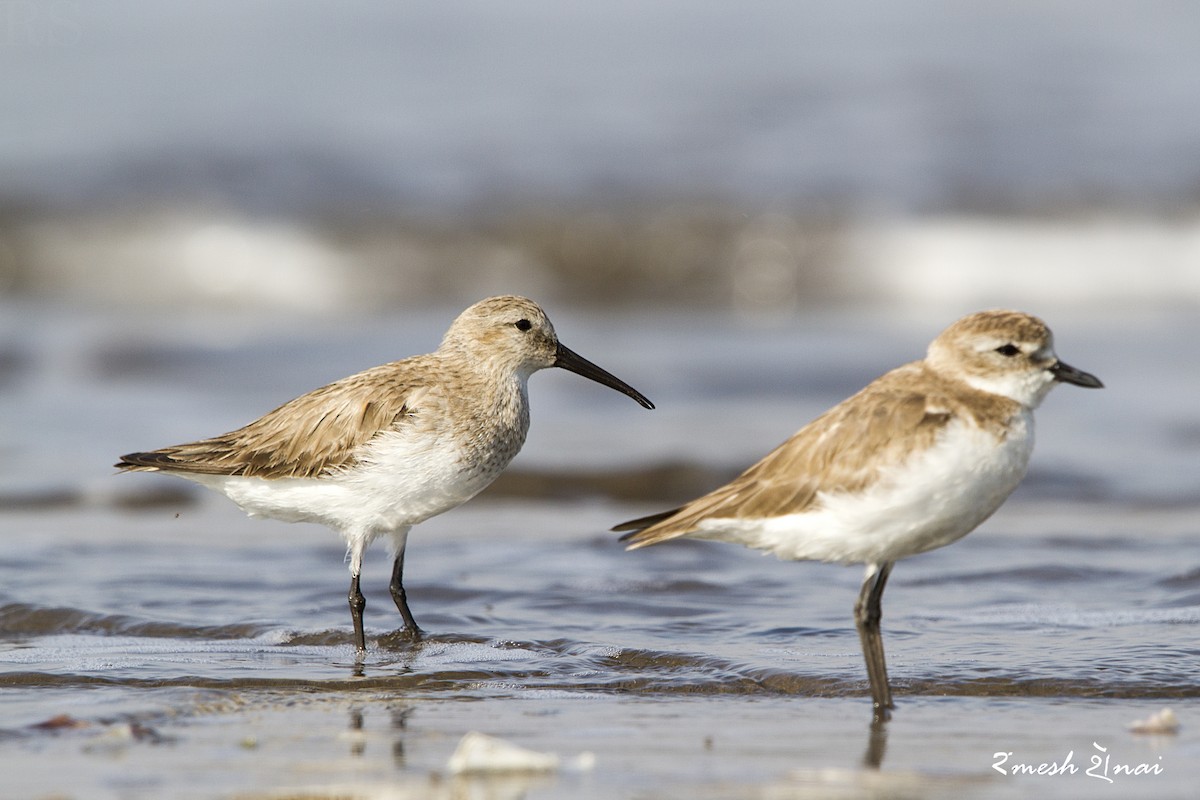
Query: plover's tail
(169,459)
(635,528)
(142,462)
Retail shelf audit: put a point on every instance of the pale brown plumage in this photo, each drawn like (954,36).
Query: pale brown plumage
(385,449)
(913,462)
(843,450)
(310,436)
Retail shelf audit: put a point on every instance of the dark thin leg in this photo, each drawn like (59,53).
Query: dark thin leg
(397,587)
(867,614)
(357,604)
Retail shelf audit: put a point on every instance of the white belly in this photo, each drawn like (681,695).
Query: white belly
(401,484)
(935,499)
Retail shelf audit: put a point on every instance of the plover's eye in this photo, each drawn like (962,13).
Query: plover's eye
(1008,350)
(523,324)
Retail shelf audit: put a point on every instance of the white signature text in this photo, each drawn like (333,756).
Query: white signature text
(1101,765)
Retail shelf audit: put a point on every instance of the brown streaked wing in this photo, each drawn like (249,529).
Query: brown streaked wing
(304,438)
(843,450)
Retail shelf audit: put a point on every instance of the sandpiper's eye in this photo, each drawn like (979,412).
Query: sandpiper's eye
(523,324)
(1009,350)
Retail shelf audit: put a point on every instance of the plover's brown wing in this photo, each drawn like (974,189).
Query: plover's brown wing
(317,432)
(844,450)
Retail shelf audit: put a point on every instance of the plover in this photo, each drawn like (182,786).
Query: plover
(913,462)
(387,448)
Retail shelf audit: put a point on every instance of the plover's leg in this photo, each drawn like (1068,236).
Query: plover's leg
(400,539)
(867,614)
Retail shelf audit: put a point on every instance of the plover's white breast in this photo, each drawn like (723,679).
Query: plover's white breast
(914,461)
(932,499)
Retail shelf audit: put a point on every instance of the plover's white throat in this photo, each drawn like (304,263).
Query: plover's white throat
(380,451)
(913,462)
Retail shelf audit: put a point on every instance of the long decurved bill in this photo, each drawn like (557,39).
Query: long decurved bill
(1068,374)
(573,362)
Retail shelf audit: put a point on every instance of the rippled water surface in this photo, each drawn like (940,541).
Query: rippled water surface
(155,642)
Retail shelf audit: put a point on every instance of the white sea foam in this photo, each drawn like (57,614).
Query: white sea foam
(943,265)
(439,654)
(964,262)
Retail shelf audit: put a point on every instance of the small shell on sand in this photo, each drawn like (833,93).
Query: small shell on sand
(1164,721)
(480,753)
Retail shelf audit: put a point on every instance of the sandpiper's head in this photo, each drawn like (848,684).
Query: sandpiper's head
(1008,353)
(513,334)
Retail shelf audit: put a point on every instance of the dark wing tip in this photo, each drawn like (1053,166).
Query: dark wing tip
(166,461)
(635,526)
(143,461)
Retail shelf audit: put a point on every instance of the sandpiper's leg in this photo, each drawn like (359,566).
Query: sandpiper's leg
(867,614)
(357,604)
(397,586)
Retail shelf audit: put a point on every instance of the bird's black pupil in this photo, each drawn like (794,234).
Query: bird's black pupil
(523,324)
(1008,350)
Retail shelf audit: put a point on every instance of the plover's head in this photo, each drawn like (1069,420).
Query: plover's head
(1008,353)
(512,334)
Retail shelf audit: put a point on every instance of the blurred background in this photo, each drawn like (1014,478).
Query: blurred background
(759,157)
(745,210)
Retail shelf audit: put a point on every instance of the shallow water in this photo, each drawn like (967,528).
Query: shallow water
(198,653)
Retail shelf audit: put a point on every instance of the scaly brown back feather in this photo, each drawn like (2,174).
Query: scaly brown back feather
(316,433)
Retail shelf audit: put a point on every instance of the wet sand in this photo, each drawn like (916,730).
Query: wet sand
(381,744)
(688,689)
(154,642)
